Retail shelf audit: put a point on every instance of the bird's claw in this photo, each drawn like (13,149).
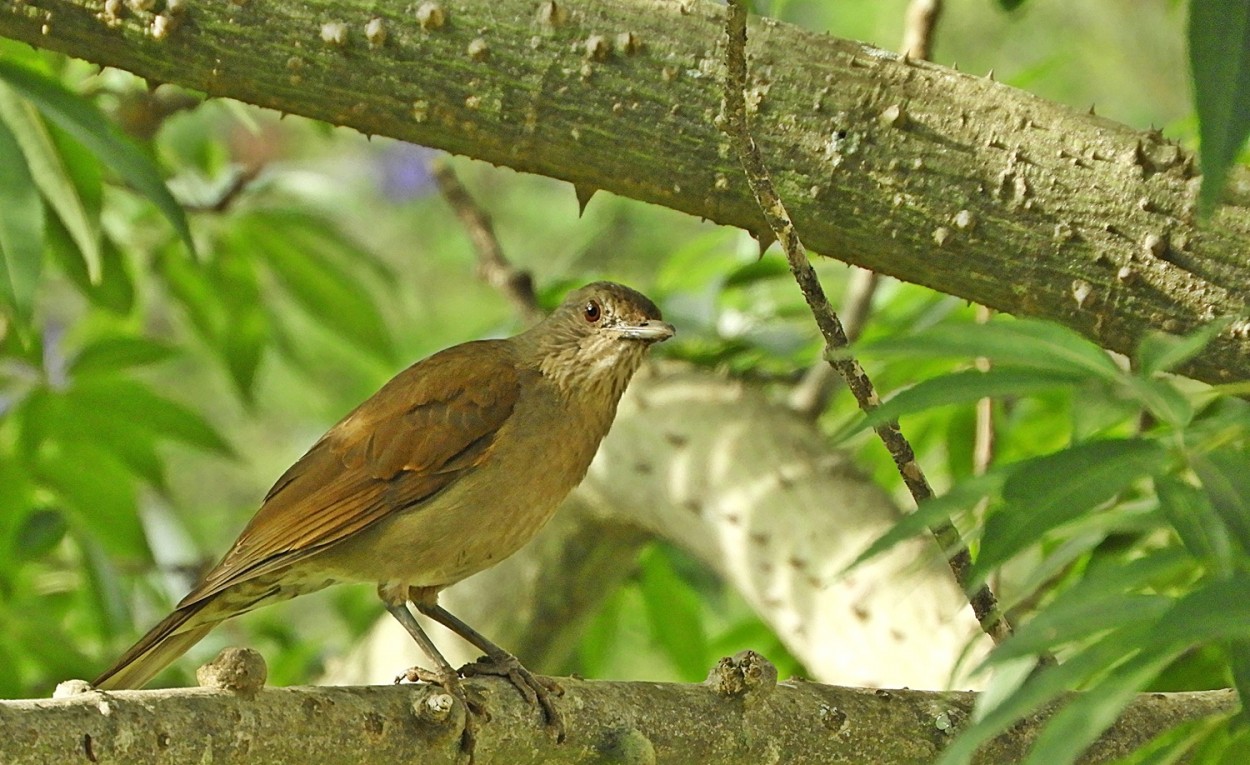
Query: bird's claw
(536,689)
(474,706)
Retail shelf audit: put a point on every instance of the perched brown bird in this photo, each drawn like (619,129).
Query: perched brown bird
(448,469)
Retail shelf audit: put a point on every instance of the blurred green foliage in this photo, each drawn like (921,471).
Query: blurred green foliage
(161,361)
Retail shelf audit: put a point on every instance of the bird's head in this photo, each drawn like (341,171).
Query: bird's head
(594,342)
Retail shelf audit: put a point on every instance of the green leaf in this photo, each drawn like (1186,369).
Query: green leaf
(330,294)
(115,291)
(101,498)
(1219,61)
(115,353)
(1214,611)
(41,531)
(1010,5)
(1026,343)
(1046,492)
(242,339)
(1162,399)
(1225,475)
(1199,527)
(134,402)
(1102,600)
(1170,746)
(1041,687)
(961,497)
(675,615)
(966,387)
(1162,352)
(52,173)
(21,228)
(1083,720)
(82,120)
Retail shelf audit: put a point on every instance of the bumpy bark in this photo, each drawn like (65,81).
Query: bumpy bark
(911,169)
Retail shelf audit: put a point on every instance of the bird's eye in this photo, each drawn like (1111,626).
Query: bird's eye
(592,311)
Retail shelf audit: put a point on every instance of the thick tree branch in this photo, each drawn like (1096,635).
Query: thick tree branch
(740,716)
(907,168)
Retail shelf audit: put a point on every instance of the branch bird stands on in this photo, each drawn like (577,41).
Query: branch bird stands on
(448,469)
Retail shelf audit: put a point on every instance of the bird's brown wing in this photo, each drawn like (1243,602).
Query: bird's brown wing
(410,440)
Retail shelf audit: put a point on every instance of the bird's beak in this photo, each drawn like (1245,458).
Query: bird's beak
(653,330)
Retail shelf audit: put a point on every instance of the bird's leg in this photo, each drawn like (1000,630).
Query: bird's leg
(445,675)
(536,690)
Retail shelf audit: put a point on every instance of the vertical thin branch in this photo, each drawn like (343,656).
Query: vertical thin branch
(734,123)
(922,17)
(494,268)
(812,394)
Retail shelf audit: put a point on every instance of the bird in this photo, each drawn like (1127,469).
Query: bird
(452,466)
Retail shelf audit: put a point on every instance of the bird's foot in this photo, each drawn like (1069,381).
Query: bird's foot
(473,705)
(536,689)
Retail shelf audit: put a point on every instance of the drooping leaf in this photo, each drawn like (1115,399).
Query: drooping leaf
(115,353)
(1212,611)
(135,402)
(1199,527)
(330,294)
(1041,687)
(1026,343)
(246,332)
(1100,601)
(102,498)
(115,291)
(1048,491)
(1163,352)
(82,120)
(1162,399)
(966,387)
(21,229)
(1082,721)
(1225,475)
(1219,62)
(961,497)
(57,178)
(674,614)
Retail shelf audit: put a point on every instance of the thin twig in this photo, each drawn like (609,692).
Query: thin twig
(492,265)
(983,445)
(734,122)
(813,394)
(227,196)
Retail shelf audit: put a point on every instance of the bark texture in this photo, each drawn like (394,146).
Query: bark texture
(910,169)
(738,718)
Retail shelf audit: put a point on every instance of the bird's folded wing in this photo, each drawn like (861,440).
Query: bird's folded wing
(413,438)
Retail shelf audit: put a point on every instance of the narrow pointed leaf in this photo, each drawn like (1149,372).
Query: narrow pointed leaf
(1225,475)
(1163,352)
(116,353)
(21,229)
(962,496)
(82,120)
(1048,491)
(966,387)
(1199,527)
(1042,687)
(51,174)
(1082,721)
(1023,343)
(1219,61)
(1102,600)
(1215,611)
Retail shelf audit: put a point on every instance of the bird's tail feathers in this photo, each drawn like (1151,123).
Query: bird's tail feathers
(157,649)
